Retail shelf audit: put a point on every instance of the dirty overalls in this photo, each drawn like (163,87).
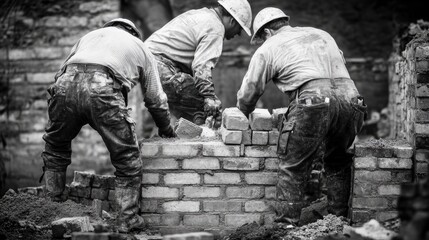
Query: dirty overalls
(322,121)
(87,94)
(184,99)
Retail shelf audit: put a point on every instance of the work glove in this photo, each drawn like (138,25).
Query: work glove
(212,106)
(167,132)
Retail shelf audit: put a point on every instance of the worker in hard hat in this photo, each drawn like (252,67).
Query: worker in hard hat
(91,88)
(188,48)
(324,115)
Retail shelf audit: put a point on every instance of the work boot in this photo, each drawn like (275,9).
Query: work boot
(287,212)
(55,183)
(338,191)
(127,191)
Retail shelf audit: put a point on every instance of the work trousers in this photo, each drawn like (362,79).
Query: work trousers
(322,121)
(87,94)
(184,99)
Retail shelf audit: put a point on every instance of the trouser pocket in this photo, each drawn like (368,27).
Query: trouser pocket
(285,131)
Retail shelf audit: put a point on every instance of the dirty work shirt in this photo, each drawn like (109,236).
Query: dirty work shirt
(192,40)
(130,65)
(292,57)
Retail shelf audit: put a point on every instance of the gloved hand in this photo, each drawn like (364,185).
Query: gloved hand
(212,106)
(167,132)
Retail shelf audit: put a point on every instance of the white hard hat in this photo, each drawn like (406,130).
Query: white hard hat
(240,10)
(125,22)
(265,16)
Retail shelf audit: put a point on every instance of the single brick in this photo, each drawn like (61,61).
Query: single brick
(189,236)
(363,150)
(221,206)
(181,149)
(182,178)
(395,163)
(104,181)
(422,90)
(260,119)
(231,136)
(273,136)
(421,128)
(422,78)
(363,189)
(422,141)
(149,206)
(256,206)
(277,116)
(369,203)
(422,155)
(219,149)
(150,149)
(152,219)
(389,190)
(207,220)
(423,103)
(160,192)
(365,162)
(201,192)
(201,163)
(150,178)
(187,130)
(259,137)
(83,179)
(402,176)
(170,219)
(244,192)
(234,119)
(422,168)
(262,178)
(241,163)
(160,163)
(422,66)
(260,151)
(372,176)
(78,191)
(99,193)
(422,52)
(237,220)
(386,215)
(422,116)
(91,236)
(270,192)
(247,137)
(361,216)
(222,178)
(404,151)
(181,206)
(272,164)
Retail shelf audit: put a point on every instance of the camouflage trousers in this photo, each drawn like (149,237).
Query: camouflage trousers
(87,94)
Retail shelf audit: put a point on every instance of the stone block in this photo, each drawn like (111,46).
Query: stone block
(256,206)
(243,164)
(249,192)
(181,206)
(261,178)
(201,163)
(206,220)
(237,220)
(201,192)
(277,116)
(83,179)
(69,225)
(231,136)
(259,137)
(219,149)
(260,119)
(221,206)
(260,151)
(160,192)
(365,163)
(190,236)
(181,178)
(273,136)
(234,119)
(395,163)
(160,163)
(187,129)
(222,178)
(247,137)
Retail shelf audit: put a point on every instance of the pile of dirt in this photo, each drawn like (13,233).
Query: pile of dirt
(24,216)
(329,225)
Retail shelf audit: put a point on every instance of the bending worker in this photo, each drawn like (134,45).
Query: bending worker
(91,88)
(188,48)
(324,115)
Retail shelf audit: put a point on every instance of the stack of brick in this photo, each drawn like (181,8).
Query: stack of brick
(206,186)
(261,129)
(380,167)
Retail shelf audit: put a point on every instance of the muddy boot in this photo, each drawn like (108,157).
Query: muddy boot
(127,191)
(55,183)
(338,191)
(287,212)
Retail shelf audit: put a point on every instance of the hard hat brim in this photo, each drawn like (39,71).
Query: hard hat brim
(255,39)
(243,26)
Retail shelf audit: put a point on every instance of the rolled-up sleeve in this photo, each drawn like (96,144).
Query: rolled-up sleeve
(154,95)
(257,76)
